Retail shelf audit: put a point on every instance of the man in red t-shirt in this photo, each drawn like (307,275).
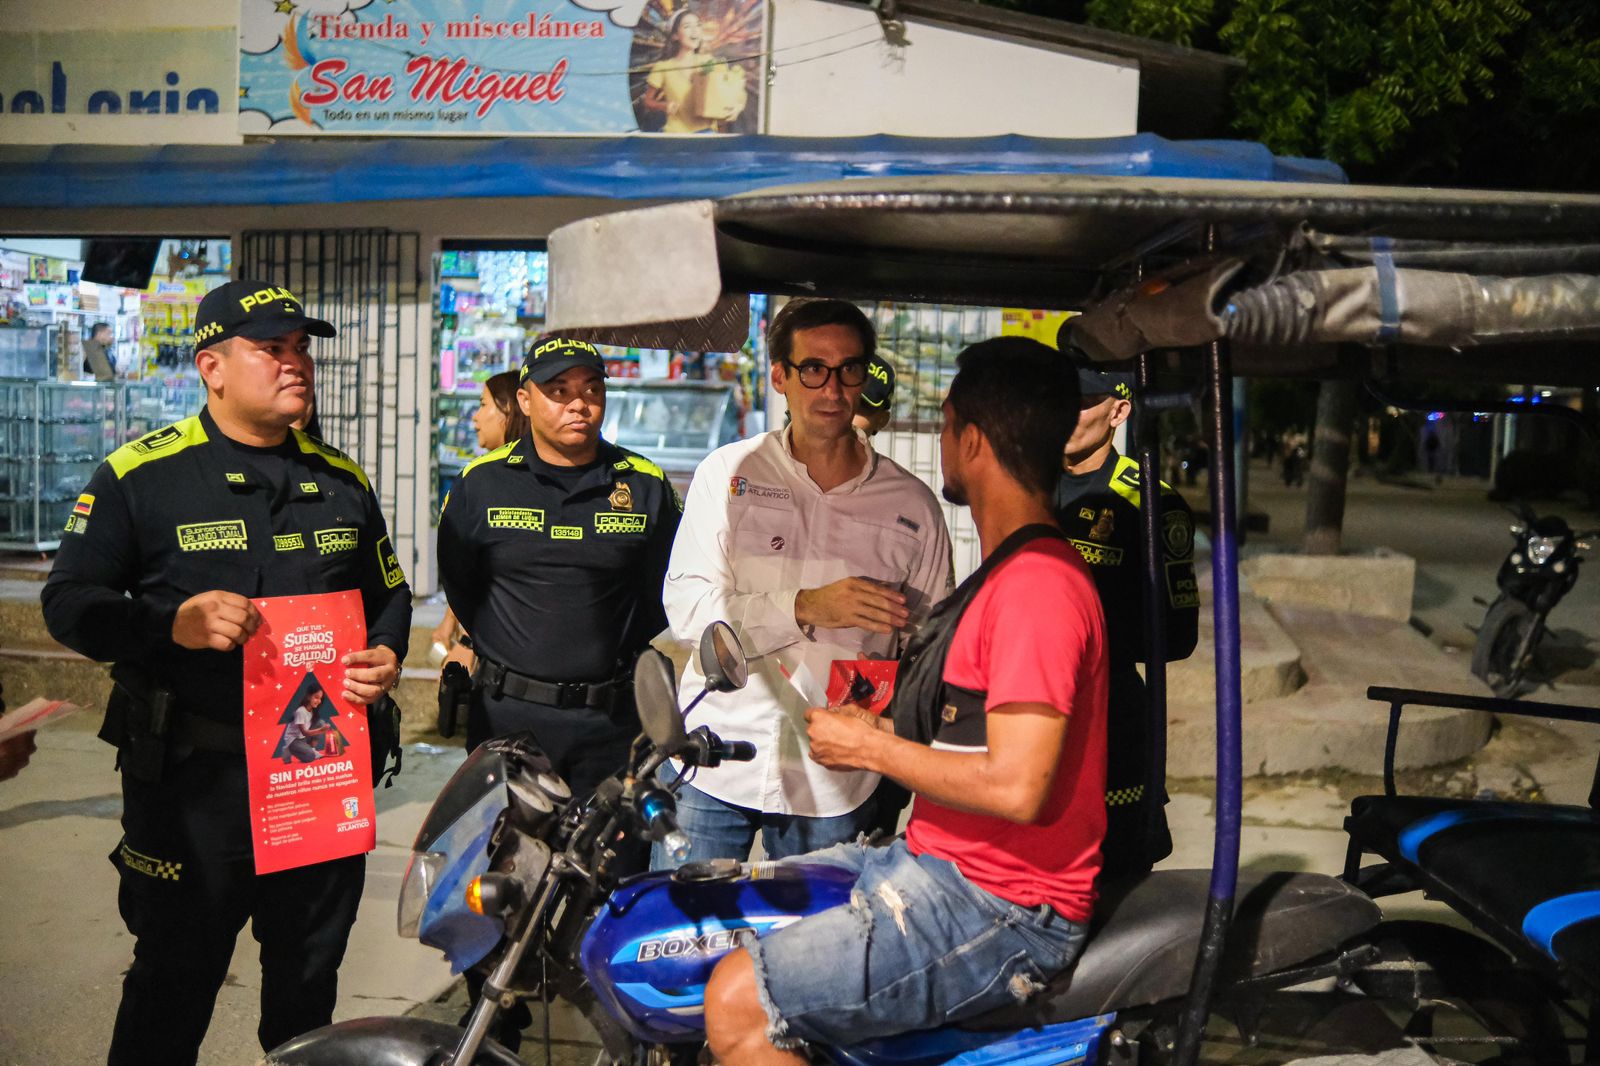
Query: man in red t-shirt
(999,728)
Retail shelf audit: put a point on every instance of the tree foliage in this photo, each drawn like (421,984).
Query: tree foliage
(1496,93)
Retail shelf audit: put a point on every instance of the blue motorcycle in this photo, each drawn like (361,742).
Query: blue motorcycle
(508,873)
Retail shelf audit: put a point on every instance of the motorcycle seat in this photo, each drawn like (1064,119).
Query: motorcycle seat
(1145,935)
(1527,874)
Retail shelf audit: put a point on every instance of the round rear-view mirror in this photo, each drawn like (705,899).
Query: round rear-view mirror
(722,658)
(655,694)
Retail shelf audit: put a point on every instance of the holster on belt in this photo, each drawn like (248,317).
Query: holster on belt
(138,722)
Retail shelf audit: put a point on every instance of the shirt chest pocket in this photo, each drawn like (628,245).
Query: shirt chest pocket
(883,553)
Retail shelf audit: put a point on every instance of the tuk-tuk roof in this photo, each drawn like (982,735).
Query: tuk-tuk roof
(1041,241)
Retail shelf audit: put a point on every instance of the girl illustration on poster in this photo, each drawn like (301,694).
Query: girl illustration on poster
(308,728)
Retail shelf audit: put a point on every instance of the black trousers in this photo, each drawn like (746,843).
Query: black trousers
(585,745)
(1136,835)
(188,885)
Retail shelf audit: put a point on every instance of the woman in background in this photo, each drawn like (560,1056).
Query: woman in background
(497,421)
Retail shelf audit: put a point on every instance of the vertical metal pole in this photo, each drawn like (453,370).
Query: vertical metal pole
(1225,615)
(1148,444)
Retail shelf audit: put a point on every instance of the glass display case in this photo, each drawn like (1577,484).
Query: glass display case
(55,433)
(674,424)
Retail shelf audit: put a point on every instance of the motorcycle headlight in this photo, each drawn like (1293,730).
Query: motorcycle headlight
(422,873)
(1540,549)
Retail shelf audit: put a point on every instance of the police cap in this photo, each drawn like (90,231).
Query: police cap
(1094,379)
(257,310)
(550,357)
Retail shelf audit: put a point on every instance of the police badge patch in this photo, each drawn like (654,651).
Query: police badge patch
(621,497)
(1177,529)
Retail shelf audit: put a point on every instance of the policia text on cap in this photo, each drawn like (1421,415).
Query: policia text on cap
(174,535)
(552,550)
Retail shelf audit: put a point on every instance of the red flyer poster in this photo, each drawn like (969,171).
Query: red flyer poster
(306,746)
(867,683)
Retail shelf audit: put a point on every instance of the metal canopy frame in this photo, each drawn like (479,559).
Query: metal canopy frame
(1039,240)
(675,275)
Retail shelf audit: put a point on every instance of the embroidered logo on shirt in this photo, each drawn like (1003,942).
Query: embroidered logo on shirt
(566,532)
(1104,526)
(288,542)
(308,486)
(516,518)
(84,505)
(740,486)
(342,539)
(213,536)
(611,522)
(622,497)
(1098,554)
(1177,529)
(777,544)
(1086,513)
(237,479)
(915,527)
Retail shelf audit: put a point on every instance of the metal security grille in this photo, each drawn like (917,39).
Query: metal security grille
(369,284)
(922,342)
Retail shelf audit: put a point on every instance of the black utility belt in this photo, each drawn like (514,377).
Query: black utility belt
(501,680)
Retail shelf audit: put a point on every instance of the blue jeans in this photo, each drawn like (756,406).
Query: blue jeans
(918,946)
(719,830)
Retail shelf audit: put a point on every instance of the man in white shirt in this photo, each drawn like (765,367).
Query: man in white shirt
(814,548)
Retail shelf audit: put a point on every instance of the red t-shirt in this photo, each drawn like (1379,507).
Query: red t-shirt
(1034,633)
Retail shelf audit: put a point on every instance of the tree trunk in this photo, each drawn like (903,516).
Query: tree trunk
(1330,467)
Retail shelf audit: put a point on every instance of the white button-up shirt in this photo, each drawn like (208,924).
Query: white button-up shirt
(756,530)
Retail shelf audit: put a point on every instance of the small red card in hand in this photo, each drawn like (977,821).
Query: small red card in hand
(866,683)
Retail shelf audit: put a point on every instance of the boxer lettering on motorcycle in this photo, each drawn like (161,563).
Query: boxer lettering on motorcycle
(999,729)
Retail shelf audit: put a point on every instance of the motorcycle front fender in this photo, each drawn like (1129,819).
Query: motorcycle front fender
(382,1042)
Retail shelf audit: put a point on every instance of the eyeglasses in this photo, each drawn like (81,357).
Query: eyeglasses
(814,375)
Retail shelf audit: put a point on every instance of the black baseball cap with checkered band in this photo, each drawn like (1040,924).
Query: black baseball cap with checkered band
(257,310)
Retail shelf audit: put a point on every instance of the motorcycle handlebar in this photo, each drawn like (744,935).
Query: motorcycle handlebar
(738,751)
(659,811)
(705,748)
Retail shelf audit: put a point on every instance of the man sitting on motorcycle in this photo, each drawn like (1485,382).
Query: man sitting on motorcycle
(999,729)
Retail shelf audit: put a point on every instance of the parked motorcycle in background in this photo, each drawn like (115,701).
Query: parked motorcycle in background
(1541,568)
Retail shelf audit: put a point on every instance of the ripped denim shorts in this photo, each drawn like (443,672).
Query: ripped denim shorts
(917,947)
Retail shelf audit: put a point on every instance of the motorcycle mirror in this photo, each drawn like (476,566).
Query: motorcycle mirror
(722,658)
(655,694)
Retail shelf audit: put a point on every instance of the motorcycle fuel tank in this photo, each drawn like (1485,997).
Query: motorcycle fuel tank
(651,949)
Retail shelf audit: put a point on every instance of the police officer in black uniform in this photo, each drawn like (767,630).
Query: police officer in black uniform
(552,550)
(1097,503)
(173,536)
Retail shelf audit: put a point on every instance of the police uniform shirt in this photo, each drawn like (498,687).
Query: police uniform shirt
(554,571)
(1099,511)
(185,510)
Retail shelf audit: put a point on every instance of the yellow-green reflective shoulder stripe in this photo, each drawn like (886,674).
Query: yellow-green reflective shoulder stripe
(332,456)
(158,445)
(499,453)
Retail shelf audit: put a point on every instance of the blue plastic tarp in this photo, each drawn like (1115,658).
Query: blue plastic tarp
(349,170)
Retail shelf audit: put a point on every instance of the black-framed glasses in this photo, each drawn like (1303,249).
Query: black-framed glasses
(814,374)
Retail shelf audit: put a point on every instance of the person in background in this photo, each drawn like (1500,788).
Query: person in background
(497,420)
(99,358)
(1097,500)
(874,407)
(175,537)
(814,548)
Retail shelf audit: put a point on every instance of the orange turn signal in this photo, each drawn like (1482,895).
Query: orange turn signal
(475,896)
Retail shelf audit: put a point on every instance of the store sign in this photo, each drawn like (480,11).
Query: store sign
(117,72)
(568,67)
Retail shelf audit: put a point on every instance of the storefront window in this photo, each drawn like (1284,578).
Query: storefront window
(673,407)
